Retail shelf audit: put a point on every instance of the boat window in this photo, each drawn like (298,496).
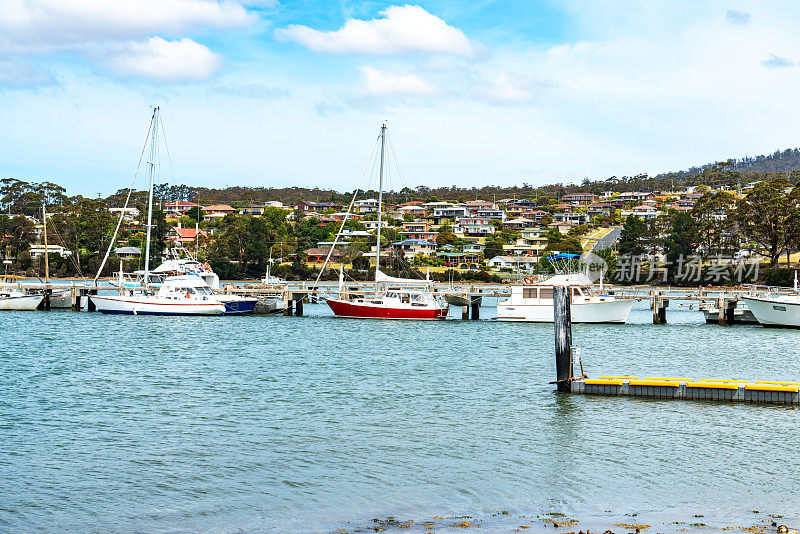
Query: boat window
(404,297)
(529,293)
(391,295)
(577,291)
(546,293)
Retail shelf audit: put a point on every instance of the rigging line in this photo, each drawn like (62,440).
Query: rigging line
(169,157)
(71,256)
(393,150)
(127,199)
(347,215)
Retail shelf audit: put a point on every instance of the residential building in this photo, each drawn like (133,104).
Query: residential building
(178,208)
(571,216)
(412,247)
(643,211)
(473,226)
(515,263)
(308,205)
(128,214)
(418,230)
(179,236)
(518,223)
(217,211)
(255,211)
(579,198)
(318,255)
(369,205)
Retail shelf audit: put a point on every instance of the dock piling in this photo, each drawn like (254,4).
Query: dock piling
(562,321)
(476,308)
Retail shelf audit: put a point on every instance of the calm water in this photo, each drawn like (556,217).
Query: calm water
(255,424)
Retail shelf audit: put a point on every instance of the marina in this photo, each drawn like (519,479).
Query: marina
(312,424)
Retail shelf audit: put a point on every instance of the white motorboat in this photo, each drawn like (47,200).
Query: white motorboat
(775,310)
(532,301)
(15,300)
(178,295)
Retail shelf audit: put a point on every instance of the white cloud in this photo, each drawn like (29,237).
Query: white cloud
(41,25)
(17,75)
(164,61)
(387,83)
(506,88)
(402,30)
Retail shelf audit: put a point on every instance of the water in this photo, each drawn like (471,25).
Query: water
(311,424)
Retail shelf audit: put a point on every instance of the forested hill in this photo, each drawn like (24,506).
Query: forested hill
(779,161)
(23,196)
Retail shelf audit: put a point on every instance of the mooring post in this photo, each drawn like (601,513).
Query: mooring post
(662,313)
(721,311)
(562,320)
(730,307)
(476,307)
(298,309)
(656,304)
(288,310)
(464,313)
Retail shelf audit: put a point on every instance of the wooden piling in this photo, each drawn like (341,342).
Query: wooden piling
(476,308)
(562,320)
(298,309)
(464,313)
(288,310)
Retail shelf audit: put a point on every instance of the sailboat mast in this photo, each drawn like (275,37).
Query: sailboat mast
(380,208)
(150,199)
(46,250)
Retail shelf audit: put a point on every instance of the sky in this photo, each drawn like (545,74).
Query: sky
(490,92)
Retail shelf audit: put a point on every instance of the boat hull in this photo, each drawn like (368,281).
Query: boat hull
(151,306)
(239,306)
(616,311)
(774,313)
(20,303)
(344,308)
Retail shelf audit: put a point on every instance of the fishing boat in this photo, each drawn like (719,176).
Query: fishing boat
(12,299)
(393,298)
(185,294)
(532,301)
(741,314)
(178,295)
(775,310)
(15,300)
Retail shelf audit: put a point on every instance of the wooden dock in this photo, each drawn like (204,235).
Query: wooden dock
(675,388)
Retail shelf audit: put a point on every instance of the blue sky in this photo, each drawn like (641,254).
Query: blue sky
(268,93)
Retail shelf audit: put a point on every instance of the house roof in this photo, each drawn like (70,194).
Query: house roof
(218,207)
(188,233)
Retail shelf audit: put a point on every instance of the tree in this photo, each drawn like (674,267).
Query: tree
(633,238)
(446,238)
(764,216)
(492,248)
(196,213)
(681,240)
(712,212)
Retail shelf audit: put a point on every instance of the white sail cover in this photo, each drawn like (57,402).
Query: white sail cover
(383,278)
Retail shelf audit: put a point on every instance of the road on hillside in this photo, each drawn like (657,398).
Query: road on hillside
(609,239)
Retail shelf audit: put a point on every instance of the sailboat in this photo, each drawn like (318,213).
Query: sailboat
(394,298)
(186,294)
(13,299)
